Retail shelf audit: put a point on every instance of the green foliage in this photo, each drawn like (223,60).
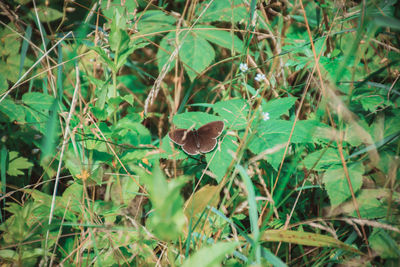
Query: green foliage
(17,164)
(167,219)
(84,133)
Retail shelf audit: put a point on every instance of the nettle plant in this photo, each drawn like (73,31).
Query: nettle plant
(304,104)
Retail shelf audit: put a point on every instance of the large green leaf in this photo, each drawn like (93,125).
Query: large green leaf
(196,119)
(275,132)
(279,106)
(231,11)
(220,37)
(167,219)
(195,52)
(382,243)
(336,183)
(220,159)
(13,111)
(322,159)
(154,21)
(38,101)
(234,113)
(16,164)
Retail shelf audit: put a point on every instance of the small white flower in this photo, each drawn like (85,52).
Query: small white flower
(259,77)
(243,67)
(265,116)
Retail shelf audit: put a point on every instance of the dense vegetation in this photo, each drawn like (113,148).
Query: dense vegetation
(305,172)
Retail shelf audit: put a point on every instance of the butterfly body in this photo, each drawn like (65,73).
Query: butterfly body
(202,140)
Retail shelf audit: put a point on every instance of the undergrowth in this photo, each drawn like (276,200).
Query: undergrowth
(305,171)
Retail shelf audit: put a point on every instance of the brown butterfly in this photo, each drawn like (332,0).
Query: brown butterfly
(202,140)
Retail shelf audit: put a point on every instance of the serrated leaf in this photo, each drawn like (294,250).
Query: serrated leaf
(336,183)
(275,132)
(196,119)
(154,20)
(195,52)
(38,101)
(383,244)
(13,111)
(220,159)
(371,103)
(234,112)
(231,11)
(322,159)
(279,106)
(16,164)
(220,37)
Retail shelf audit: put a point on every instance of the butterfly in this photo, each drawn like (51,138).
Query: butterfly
(202,140)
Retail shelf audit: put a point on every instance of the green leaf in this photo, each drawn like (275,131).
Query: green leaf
(369,204)
(10,42)
(123,56)
(211,256)
(47,14)
(232,11)
(167,219)
(234,112)
(383,244)
(220,159)
(195,52)
(196,119)
(124,191)
(13,111)
(153,21)
(278,107)
(103,55)
(276,132)
(219,37)
(108,7)
(372,103)
(129,99)
(322,159)
(16,164)
(336,182)
(171,151)
(131,132)
(38,101)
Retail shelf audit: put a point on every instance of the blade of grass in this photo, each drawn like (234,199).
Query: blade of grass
(3,168)
(253,213)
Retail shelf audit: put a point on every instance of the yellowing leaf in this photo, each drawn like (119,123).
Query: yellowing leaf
(206,196)
(306,239)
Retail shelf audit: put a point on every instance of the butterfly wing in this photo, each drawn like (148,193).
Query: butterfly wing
(186,139)
(206,143)
(212,129)
(207,135)
(190,146)
(178,136)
